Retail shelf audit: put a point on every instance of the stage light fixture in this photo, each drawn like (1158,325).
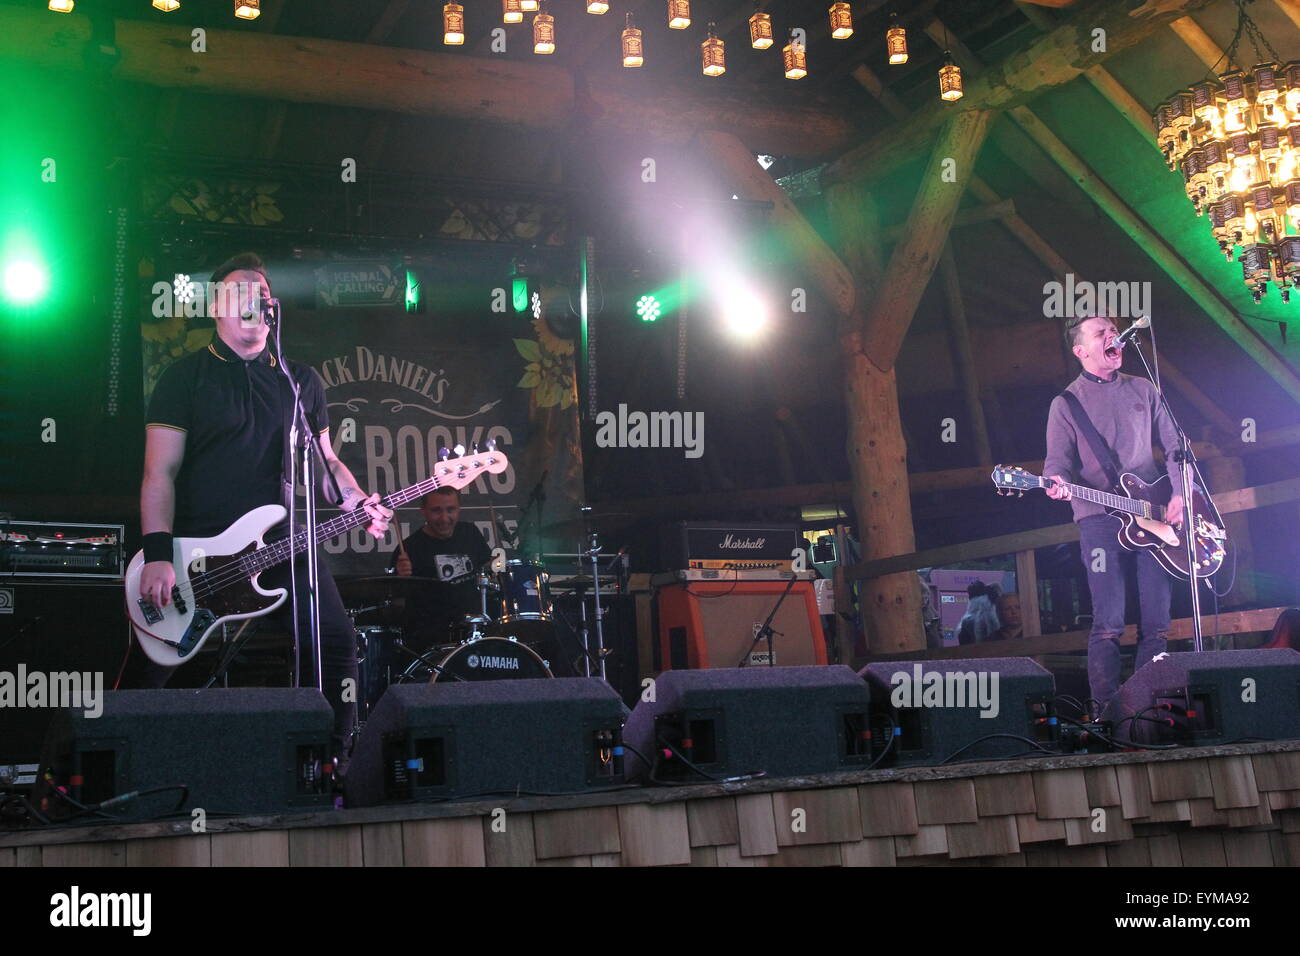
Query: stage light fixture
(248,9)
(648,308)
(25,282)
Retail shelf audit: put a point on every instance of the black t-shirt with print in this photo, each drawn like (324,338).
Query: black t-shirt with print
(453,563)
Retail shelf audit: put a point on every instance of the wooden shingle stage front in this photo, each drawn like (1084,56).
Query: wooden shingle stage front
(1234,805)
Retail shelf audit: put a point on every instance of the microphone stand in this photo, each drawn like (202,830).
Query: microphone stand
(302,440)
(1187,461)
(766,632)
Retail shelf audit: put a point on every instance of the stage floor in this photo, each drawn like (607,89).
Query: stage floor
(1234,805)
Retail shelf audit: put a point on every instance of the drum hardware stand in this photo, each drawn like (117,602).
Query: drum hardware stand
(766,631)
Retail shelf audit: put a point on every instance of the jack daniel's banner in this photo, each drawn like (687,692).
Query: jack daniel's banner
(401,386)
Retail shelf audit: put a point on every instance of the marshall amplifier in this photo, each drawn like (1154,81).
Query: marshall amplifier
(725,545)
(60,549)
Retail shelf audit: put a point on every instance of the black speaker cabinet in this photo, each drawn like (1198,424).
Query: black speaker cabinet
(948,710)
(55,628)
(783,721)
(437,741)
(238,751)
(1215,697)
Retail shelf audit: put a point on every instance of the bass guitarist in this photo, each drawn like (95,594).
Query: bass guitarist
(215,449)
(1126,414)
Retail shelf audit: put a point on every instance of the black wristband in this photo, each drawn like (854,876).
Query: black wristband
(157,546)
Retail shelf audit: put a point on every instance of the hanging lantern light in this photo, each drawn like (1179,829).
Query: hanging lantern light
(841,20)
(453,24)
(530,6)
(512,11)
(166,6)
(679,14)
(760,30)
(633,50)
(597,6)
(543,33)
(248,9)
(715,57)
(896,42)
(795,59)
(949,79)
(62,6)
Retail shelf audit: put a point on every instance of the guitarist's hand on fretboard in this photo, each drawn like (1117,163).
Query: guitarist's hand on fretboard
(1058,490)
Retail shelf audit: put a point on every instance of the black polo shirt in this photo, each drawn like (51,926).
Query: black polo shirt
(233,412)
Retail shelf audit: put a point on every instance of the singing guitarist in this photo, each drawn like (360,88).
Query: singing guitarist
(1126,413)
(215,449)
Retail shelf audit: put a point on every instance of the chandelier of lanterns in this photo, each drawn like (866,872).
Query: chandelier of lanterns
(1236,140)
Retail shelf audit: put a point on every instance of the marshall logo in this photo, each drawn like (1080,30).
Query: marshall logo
(742,544)
(493,663)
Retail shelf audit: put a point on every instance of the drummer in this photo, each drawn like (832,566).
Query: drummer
(449,551)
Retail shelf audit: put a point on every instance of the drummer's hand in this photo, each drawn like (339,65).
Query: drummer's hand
(403,564)
(381,515)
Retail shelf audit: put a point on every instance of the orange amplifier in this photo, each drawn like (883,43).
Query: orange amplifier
(712,623)
(741,564)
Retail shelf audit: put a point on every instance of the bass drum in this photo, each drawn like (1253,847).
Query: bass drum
(490,658)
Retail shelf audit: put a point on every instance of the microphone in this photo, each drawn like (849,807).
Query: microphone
(1128,334)
(261,310)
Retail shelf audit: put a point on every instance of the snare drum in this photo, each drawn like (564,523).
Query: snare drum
(491,658)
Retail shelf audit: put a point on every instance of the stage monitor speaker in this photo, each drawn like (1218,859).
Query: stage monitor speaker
(982,708)
(55,628)
(706,624)
(1215,697)
(438,741)
(782,721)
(238,751)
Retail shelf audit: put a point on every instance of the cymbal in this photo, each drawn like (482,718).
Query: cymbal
(377,588)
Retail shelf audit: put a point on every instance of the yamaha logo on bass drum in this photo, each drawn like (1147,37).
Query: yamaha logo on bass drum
(493,663)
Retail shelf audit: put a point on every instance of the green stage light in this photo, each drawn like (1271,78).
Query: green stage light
(648,308)
(412,291)
(25,282)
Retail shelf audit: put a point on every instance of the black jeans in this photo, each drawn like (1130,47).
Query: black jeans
(338,646)
(1107,563)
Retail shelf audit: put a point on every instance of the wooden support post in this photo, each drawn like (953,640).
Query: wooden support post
(890,604)
(951,165)
(966,371)
(1027,588)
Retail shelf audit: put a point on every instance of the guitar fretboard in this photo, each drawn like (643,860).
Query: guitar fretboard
(1133,506)
(280,551)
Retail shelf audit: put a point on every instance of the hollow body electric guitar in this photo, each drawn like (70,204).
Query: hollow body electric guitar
(1141,513)
(216,578)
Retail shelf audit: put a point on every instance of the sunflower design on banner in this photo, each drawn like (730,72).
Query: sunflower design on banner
(549,372)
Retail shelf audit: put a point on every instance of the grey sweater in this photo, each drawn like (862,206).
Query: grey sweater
(1127,413)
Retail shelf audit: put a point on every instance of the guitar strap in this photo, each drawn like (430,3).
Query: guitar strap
(1099,447)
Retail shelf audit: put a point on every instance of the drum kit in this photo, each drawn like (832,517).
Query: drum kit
(514,628)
